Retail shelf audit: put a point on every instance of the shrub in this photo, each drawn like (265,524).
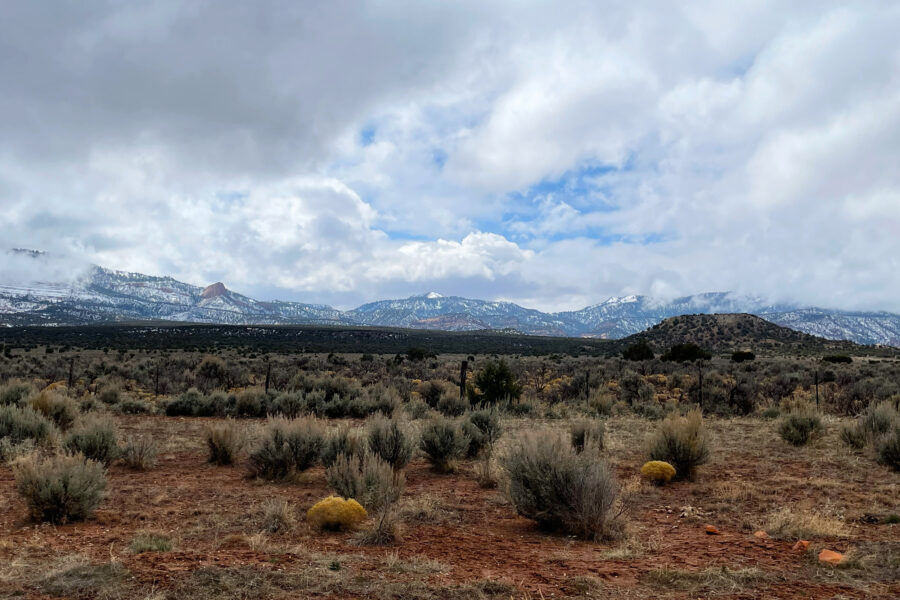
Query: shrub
(635,390)
(224,441)
(140,453)
(657,471)
(96,438)
(15,394)
(390,440)
(878,420)
(287,447)
(837,358)
(889,449)
(110,395)
(742,355)
(251,403)
(496,383)
(587,434)
(186,405)
(451,405)
(278,516)
(443,443)
(853,435)
(551,484)
(483,428)
(686,353)
(799,428)
(681,442)
(62,488)
(638,351)
(289,405)
(60,409)
(20,424)
(369,479)
(335,513)
(131,406)
(149,541)
(432,392)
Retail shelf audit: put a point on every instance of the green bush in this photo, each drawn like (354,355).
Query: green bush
(483,429)
(16,394)
(740,356)
(341,442)
(686,353)
(289,405)
(287,447)
(150,542)
(252,403)
(587,434)
(451,405)
(367,479)
(638,351)
(495,383)
(560,489)
(837,358)
(681,442)
(60,489)
(799,428)
(110,395)
(878,420)
(889,448)
(131,406)
(20,424)
(390,440)
(443,443)
(186,405)
(96,438)
(225,441)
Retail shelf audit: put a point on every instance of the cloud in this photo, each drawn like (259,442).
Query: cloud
(548,153)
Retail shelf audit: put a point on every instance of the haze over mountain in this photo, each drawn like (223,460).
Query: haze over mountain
(103,295)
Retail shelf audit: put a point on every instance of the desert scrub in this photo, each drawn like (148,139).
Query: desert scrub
(888,447)
(335,514)
(681,442)
(16,394)
(484,429)
(20,424)
(878,420)
(61,488)
(150,541)
(368,479)
(443,443)
(140,453)
(853,435)
(278,516)
(341,442)
(95,437)
(225,442)
(798,428)
(390,440)
(587,434)
(560,489)
(60,409)
(110,395)
(287,446)
(658,472)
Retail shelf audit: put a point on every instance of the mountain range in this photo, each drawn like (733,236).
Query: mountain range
(103,295)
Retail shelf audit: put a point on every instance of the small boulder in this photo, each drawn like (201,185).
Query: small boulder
(801,546)
(762,535)
(830,557)
(711,530)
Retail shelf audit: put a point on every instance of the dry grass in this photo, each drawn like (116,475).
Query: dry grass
(710,582)
(793,524)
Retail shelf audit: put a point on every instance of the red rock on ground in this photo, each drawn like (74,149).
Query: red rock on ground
(761,534)
(830,557)
(711,530)
(801,545)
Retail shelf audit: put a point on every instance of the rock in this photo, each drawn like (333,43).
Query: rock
(710,530)
(830,557)
(761,535)
(801,546)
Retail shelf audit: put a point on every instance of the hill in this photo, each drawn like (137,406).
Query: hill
(725,333)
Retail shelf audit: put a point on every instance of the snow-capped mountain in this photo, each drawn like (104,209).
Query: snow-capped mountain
(96,295)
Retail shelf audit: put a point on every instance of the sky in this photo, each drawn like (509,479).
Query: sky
(547,153)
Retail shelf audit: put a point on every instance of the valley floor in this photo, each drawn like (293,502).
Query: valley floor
(464,541)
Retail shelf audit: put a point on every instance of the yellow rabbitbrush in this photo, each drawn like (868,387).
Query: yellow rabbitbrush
(658,471)
(334,513)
